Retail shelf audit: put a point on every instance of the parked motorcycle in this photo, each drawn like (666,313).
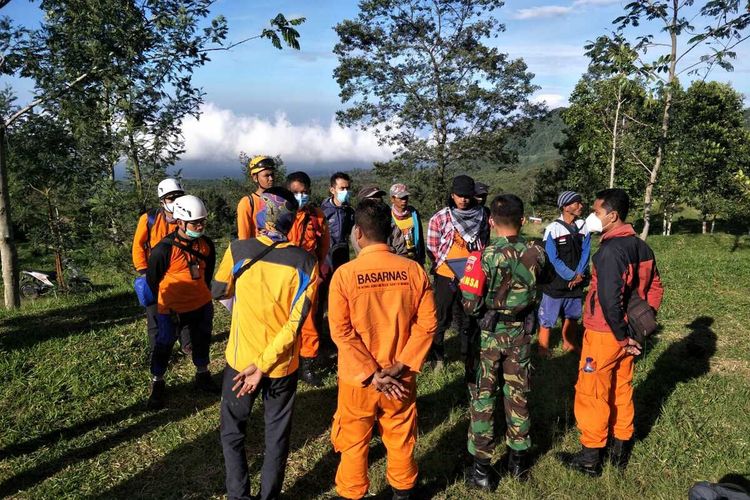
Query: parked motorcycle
(37,283)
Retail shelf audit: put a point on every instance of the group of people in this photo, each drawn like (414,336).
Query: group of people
(288,278)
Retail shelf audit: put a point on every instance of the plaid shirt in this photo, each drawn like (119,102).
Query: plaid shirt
(440,237)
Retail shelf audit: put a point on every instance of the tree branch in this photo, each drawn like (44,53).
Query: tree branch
(46,98)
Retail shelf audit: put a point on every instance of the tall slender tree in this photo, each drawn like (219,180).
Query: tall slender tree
(426,76)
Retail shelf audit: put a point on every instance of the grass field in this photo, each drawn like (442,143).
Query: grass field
(73,382)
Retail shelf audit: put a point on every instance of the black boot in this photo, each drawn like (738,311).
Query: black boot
(518,464)
(588,461)
(401,494)
(307,374)
(204,382)
(619,453)
(481,475)
(158,395)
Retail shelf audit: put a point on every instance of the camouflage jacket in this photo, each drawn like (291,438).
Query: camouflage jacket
(500,283)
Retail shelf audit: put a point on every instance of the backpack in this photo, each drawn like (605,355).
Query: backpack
(517,289)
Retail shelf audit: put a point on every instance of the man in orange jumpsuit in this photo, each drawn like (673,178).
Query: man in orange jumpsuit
(624,265)
(261,170)
(309,232)
(382,317)
(152,227)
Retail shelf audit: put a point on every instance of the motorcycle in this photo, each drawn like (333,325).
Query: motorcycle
(37,283)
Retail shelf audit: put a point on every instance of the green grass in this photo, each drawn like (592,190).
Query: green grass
(73,380)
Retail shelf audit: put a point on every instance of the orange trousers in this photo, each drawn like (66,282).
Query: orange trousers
(310,337)
(359,409)
(604,397)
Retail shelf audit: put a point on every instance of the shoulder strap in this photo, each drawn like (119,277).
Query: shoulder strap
(150,221)
(255,259)
(572,228)
(302,232)
(194,253)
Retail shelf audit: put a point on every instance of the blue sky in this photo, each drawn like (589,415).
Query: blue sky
(282,102)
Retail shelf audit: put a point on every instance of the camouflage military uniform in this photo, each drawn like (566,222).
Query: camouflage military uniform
(500,286)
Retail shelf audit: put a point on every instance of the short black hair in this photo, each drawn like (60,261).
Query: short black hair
(339,175)
(507,210)
(374,219)
(615,199)
(300,177)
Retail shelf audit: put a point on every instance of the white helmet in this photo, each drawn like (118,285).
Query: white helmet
(189,208)
(167,186)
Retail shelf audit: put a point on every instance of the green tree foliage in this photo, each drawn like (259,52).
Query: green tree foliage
(423,75)
(118,76)
(46,166)
(606,116)
(671,38)
(711,147)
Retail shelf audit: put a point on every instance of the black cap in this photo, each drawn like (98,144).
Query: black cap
(463,185)
(370,191)
(481,189)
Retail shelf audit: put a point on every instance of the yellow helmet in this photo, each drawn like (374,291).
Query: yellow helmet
(260,163)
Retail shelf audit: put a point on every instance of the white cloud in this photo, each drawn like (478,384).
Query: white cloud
(220,135)
(552,100)
(542,11)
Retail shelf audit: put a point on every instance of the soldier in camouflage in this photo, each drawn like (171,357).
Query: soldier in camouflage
(499,286)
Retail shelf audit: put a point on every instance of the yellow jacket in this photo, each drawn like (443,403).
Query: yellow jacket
(271,301)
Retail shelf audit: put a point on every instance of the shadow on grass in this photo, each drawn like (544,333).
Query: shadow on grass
(24,331)
(684,360)
(182,402)
(197,467)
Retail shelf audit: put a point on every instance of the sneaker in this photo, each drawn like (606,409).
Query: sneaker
(307,374)
(158,396)
(587,460)
(204,382)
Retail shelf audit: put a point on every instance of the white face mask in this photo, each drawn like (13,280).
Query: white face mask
(594,224)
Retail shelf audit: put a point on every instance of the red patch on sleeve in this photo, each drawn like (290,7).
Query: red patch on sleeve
(474,278)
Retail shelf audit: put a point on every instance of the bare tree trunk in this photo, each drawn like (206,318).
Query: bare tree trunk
(664,223)
(135,162)
(704,225)
(8,251)
(54,228)
(669,224)
(648,198)
(713,224)
(614,139)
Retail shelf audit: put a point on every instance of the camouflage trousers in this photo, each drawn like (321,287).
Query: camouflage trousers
(504,358)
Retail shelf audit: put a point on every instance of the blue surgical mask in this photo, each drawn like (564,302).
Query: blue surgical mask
(302,199)
(193,234)
(342,196)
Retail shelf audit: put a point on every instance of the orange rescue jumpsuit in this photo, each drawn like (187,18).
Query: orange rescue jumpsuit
(381,311)
(310,232)
(144,241)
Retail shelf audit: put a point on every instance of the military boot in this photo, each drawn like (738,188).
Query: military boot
(518,464)
(158,396)
(588,461)
(481,475)
(307,374)
(619,452)
(401,494)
